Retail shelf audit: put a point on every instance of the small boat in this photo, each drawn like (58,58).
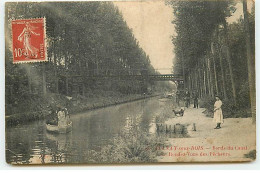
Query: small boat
(59,129)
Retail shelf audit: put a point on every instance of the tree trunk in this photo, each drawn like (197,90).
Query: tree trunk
(230,64)
(55,47)
(204,77)
(196,80)
(222,74)
(199,82)
(219,55)
(55,69)
(44,89)
(250,64)
(204,81)
(215,74)
(210,78)
(29,79)
(190,80)
(183,68)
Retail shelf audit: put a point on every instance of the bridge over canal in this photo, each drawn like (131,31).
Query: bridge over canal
(77,80)
(159,77)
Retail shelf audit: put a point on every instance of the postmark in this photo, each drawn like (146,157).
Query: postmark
(29,37)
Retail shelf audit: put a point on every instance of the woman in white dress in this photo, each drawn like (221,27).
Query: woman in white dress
(218,116)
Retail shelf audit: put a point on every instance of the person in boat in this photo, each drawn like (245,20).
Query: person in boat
(52,118)
(67,116)
(61,117)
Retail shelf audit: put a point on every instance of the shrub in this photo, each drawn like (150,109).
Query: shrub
(132,146)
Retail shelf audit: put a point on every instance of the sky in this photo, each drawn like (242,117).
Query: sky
(152,27)
(239,11)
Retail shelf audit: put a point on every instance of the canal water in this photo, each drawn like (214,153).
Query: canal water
(31,143)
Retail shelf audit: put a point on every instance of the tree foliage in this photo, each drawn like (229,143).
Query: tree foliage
(209,52)
(84,39)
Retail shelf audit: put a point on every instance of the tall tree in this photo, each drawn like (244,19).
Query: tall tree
(250,62)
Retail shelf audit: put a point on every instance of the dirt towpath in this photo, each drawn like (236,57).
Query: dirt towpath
(206,144)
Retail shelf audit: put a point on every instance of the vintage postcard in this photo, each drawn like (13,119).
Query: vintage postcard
(103,82)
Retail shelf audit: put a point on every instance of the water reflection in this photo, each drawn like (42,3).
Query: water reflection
(91,131)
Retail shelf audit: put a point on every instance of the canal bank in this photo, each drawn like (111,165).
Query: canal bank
(120,133)
(74,105)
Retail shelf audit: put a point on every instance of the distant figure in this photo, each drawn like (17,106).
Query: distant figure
(178,97)
(218,116)
(195,99)
(187,98)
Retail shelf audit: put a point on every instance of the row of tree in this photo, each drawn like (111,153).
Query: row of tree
(214,56)
(84,39)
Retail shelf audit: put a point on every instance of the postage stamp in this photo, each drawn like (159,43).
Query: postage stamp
(29,37)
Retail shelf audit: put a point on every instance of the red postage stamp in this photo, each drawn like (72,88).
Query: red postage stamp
(29,37)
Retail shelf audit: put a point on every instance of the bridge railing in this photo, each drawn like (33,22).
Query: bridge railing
(163,77)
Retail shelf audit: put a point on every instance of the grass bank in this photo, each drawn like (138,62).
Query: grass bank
(35,108)
(130,146)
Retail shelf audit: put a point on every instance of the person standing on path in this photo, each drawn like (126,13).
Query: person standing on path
(196,99)
(218,116)
(187,98)
(177,95)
